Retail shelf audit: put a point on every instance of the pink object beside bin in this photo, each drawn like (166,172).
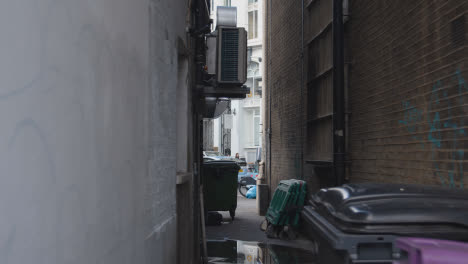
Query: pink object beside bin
(432,251)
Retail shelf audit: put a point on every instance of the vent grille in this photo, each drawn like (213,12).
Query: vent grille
(229,55)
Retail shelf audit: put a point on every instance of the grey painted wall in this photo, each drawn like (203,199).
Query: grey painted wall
(87,141)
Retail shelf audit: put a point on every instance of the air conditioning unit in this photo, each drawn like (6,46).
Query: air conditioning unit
(231,59)
(226,59)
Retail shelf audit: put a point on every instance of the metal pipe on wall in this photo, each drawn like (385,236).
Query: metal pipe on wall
(301,122)
(269,97)
(338,93)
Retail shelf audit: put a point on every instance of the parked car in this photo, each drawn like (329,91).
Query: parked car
(212,154)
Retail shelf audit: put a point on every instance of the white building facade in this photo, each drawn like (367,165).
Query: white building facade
(245,134)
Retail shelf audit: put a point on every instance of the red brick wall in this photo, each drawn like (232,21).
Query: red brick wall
(409,91)
(284,83)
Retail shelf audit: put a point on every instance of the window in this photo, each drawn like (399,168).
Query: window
(258,87)
(253,24)
(252,69)
(254,80)
(256,128)
(227,2)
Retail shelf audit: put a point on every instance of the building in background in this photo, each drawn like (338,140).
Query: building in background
(239,130)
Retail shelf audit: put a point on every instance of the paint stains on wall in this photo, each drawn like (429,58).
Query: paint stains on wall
(445,116)
(412,117)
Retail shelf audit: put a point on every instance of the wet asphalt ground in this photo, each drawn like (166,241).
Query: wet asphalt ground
(246,227)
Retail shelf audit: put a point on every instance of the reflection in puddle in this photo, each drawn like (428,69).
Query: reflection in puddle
(230,251)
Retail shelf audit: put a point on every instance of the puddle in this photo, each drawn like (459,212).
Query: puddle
(230,251)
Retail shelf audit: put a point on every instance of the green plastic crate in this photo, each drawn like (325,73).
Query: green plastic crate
(279,202)
(300,202)
(287,201)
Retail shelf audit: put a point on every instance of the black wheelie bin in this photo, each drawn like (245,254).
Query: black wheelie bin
(219,179)
(358,223)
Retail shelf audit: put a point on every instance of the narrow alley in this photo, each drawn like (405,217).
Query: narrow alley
(233,131)
(246,227)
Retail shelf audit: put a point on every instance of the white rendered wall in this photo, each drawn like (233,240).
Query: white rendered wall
(87,141)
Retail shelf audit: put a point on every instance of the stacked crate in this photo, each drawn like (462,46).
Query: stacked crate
(287,203)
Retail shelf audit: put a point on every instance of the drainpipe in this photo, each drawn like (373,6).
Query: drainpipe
(269,98)
(301,116)
(221,133)
(338,92)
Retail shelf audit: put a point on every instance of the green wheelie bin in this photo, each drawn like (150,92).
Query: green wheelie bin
(219,179)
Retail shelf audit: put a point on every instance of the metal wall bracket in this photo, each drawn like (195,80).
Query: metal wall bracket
(235,92)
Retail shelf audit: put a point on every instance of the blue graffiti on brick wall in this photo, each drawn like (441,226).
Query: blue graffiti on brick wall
(445,129)
(412,117)
(434,136)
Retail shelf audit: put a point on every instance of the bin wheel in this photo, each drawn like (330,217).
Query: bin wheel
(264,225)
(271,231)
(288,233)
(232,213)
